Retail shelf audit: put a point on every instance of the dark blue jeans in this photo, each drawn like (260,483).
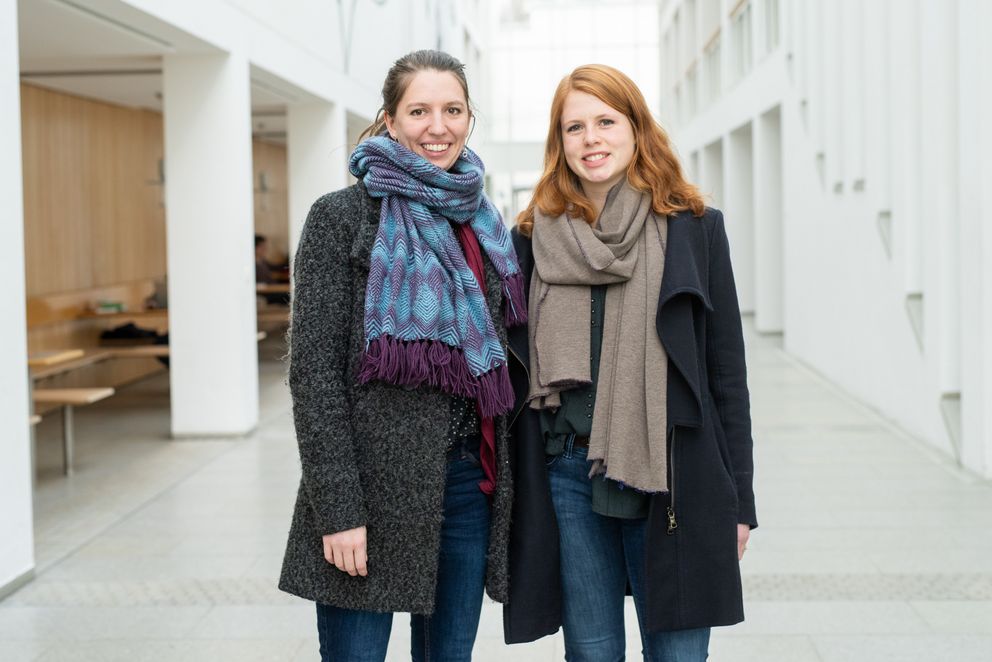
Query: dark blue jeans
(598,555)
(449,633)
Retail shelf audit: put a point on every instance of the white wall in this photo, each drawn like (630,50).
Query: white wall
(883,145)
(16,527)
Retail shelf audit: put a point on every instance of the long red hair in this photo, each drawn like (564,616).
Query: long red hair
(654,166)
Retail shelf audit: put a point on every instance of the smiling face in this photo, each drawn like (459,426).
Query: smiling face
(598,142)
(432,117)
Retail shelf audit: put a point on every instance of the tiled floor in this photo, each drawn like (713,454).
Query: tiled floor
(872,548)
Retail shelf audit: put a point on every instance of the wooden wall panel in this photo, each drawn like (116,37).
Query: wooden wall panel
(92,216)
(94,220)
(272,205)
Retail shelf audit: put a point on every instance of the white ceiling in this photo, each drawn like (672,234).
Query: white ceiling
(68,47)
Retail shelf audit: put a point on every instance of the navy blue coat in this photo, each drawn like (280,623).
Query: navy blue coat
(692,573)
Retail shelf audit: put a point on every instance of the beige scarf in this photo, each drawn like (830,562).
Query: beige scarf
(627,253)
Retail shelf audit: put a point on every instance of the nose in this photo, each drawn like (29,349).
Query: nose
(437,127)
(591,136)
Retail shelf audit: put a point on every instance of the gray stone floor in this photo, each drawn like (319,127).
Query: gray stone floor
(872,547)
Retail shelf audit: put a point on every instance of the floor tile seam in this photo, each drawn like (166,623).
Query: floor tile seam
(939,458)
(920,615)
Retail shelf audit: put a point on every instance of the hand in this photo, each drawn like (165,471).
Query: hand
(743,533)
(346,550)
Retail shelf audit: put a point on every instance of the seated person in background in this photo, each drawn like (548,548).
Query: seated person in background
(263,272)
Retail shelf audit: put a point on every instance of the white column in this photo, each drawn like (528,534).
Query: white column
(210,226)
(833,96)
(853,84)
(975,140)
(877,108)
(905,133)
(738,209)
(941,225)
(16,525)
(816,98)
(769,228)
(317,151)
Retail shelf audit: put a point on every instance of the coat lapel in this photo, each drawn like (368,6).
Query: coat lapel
(684,286)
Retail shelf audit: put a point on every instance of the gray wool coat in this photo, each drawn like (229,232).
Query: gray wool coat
(372,454)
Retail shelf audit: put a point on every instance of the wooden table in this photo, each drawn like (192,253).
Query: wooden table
(147,313)
(140,351)
(68,398)
(52,357)
(84,358)
(272,288)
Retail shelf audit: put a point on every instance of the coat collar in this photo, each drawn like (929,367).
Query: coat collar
(686,280)
(686,271)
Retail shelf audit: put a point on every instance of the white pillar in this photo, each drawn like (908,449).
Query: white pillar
(317,151)
(16,525)
(877,106)
(975,140)
(852,54)
(834,97)
(816,98)
(939,197)
(738,208)
(769,227)
(210,226)
(905,138)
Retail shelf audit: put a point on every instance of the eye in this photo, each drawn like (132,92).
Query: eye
(606,122)
(417,112)
(454,110)
(572,128)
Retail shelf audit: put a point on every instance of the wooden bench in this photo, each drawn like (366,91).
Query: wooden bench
(84,358)
(67,398)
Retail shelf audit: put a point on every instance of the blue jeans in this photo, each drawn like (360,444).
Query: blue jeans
(598,556)
(449,633)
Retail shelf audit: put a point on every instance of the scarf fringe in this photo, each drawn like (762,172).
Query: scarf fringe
(516,301)
(434,363)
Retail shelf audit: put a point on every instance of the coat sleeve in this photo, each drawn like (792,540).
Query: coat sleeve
(318,367)
(727,369)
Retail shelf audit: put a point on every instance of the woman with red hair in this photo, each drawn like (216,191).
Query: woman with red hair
(632,434)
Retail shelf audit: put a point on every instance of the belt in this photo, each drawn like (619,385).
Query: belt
(580,442)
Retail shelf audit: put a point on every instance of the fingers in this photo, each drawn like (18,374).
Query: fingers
(339,560)
(346,551)
(362,562)
(354,562)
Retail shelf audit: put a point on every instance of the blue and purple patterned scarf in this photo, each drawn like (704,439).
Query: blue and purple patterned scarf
(426,318)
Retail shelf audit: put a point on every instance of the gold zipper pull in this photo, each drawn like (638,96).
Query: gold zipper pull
(672,524)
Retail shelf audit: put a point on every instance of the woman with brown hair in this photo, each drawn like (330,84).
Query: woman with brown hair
(632,437)
(405,284)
